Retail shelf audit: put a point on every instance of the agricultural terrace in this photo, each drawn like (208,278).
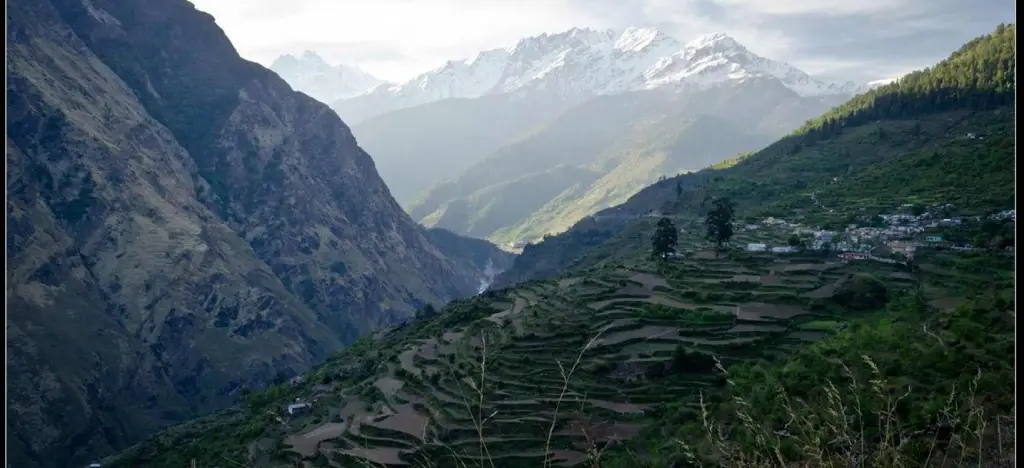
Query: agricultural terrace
(553,368)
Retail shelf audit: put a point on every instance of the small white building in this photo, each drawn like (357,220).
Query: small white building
(756,247)
(784,249)
(297,407)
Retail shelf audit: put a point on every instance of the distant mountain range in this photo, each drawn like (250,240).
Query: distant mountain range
(576,121)
(312,75)
(587,62)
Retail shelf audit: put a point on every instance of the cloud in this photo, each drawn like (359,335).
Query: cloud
(407,36)
(861,40)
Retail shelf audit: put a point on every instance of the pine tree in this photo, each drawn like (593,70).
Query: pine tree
(664,240)
(719,222)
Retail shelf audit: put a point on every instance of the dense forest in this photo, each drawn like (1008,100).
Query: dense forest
(980,75)
(942,134)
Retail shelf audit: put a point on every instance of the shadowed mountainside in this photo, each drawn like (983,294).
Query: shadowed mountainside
(181,225)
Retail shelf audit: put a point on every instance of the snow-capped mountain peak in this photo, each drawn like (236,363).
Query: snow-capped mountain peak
(583,61)
(637,39)
(311,74)
(718,42)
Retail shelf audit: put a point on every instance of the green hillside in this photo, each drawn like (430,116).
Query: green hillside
(595,355)
(660,147)
(603,151)
(564,365)
(944,134)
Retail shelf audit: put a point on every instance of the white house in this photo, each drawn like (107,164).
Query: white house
(756,247)
(296,407)
(784,249)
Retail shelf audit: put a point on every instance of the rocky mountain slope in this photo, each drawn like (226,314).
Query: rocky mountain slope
(311,74)
(182,225)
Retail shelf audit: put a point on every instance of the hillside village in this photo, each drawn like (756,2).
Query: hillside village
(890,236)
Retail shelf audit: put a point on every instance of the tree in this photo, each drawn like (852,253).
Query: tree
(719,221)
(917,209)
(664,240)
(679,189)
(793,241)
(427,311)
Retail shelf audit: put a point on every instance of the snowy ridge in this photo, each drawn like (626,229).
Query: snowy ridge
(312,75)
(581,62)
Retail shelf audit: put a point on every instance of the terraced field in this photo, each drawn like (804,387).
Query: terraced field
(553,369)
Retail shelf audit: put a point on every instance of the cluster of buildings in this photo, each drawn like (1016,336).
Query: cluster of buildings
(902,234)
(755,247)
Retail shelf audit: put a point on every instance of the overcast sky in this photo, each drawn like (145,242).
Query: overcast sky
(860,40)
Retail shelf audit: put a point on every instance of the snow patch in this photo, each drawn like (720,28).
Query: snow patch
(584,62)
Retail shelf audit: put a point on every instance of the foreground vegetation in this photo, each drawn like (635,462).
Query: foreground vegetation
(907,387)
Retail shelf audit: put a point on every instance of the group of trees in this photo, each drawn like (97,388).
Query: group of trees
(718,222)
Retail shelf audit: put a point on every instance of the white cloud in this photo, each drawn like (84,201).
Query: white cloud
(424,33)
(822,7)
(862,40)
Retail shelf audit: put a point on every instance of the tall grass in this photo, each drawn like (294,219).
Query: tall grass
(834,431)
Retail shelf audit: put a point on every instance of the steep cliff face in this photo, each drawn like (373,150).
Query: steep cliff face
(181,225)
